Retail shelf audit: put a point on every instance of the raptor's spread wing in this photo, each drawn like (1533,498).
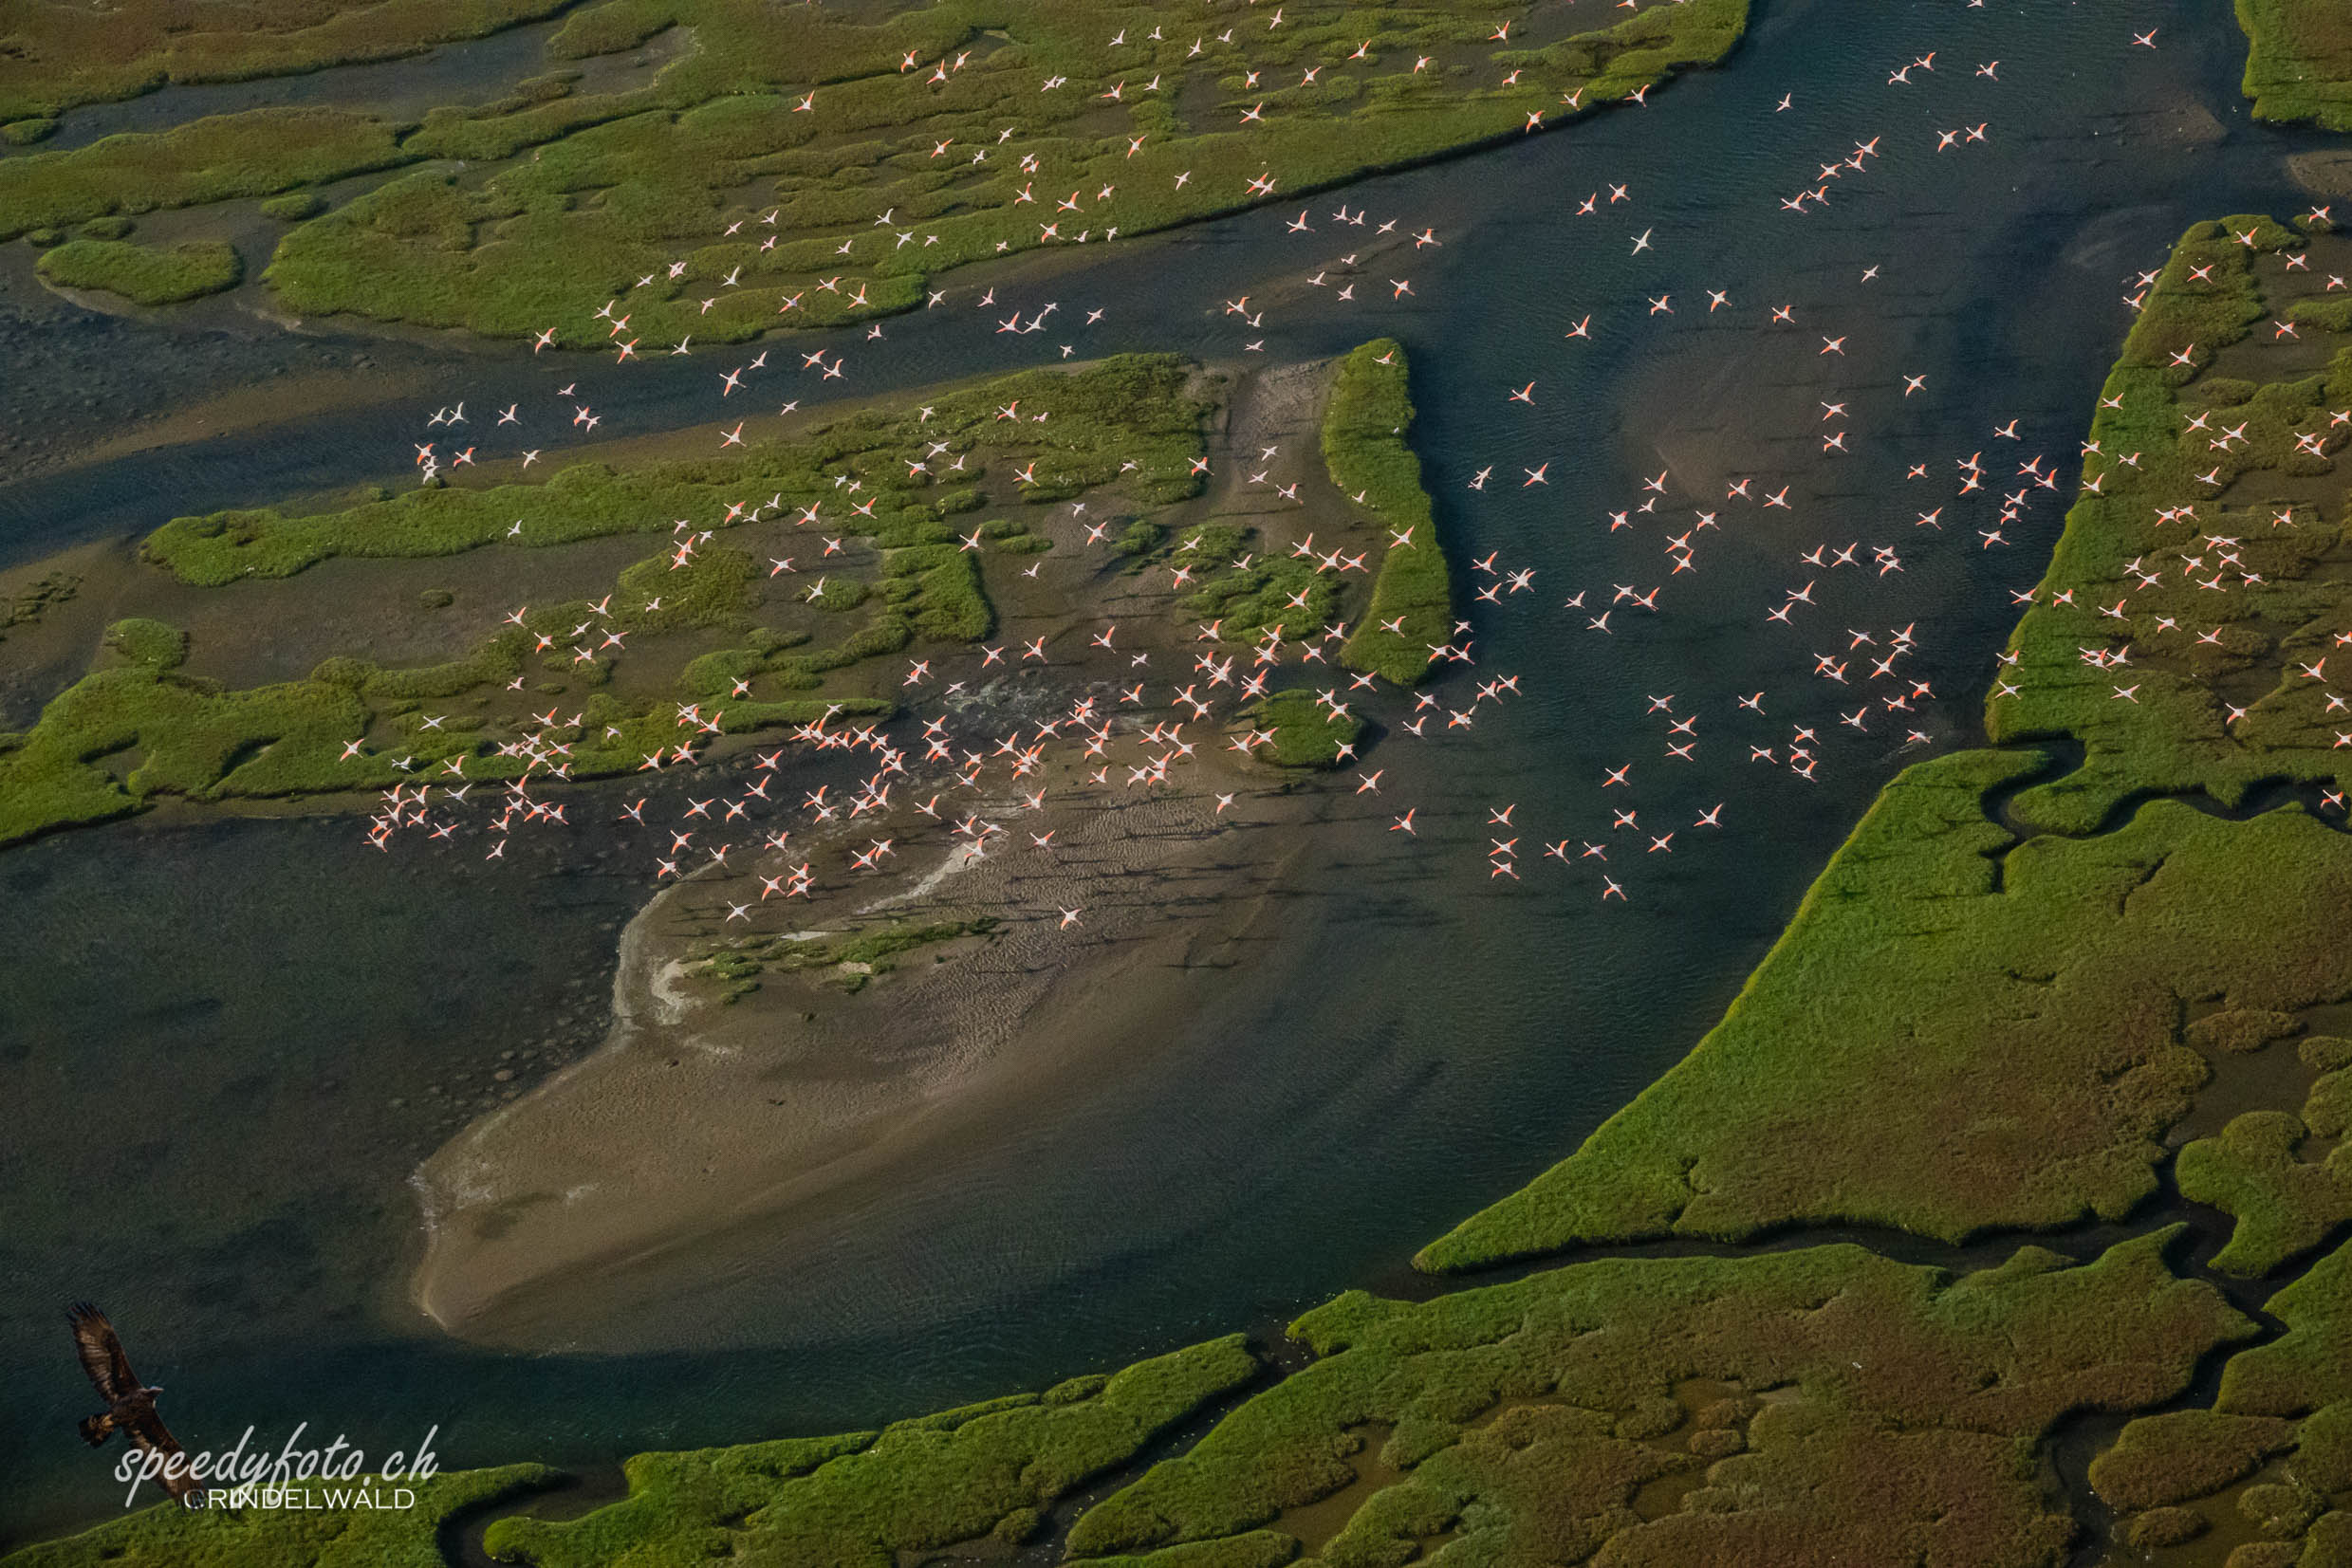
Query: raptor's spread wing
(149,1434)
(102,1352)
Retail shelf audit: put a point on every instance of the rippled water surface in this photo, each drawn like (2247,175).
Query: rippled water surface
(202,1029)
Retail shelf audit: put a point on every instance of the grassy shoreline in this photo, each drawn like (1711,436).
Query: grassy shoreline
(165,1535)
(1826,1394)
(260,153)
(2275,1447)
(1926,948)
(1519,1422)
(615,185)
(2176,736)
(143,274)
(2297,60)
(2017,1021)
(68,56)
(1371,462)
(505,259)
(984,1473)
(1966,934)
(754,652)
(1129,406)
(762,650)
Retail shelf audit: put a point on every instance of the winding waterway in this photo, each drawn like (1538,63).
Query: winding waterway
(207,1025)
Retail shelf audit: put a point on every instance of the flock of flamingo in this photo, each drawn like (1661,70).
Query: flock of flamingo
(933,777)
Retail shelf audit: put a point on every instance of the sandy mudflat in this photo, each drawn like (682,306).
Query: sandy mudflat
(699,1116)
(564,1219)
(2327,173)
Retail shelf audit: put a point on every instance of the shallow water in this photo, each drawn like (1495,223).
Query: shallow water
(1421,1040)
(400,89)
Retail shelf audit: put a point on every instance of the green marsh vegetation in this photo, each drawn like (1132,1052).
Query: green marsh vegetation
(2278,617)
(1307,733)
(151,643)
(2299,60)
(2276,1445)
(1252,592)
(2054,986)
(2175,733)
(1788,1400)
(617,188)
(2061,1000)
(2309,1368)
(2162,1460)
(2045,984)
(2017,1020)
(293,207)
(256,154)
(1260,600)
(1130,407)
(1862,1410)
(985,1472)
(2284,1204)
(1236,580)
(848,958)
(2047,1005)
(145,727)
(169,1536)
(1365,447)
(593,190)
(121,737)
(66,55)
(1939,962)
(145,274)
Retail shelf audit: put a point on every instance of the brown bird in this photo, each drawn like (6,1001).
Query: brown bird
(130,1403)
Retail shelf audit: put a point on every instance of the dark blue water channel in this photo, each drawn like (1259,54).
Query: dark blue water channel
(203,1028)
